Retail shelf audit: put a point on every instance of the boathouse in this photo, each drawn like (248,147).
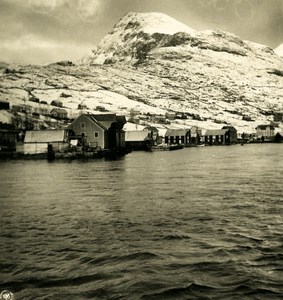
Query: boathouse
(37,141)
(177,136)
(138,140)
(232,134)
(104,131)
(216,137)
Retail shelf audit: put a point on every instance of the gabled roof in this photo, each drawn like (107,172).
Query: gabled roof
(60,110)
(214,132)
(44,136)
(176,132)
(136,136)
(263,127)
(106,120)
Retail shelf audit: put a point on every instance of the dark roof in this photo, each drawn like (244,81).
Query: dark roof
(263,127)
(176,132)
(106,120)
(151,128)
(214,132)
(229,127)
(60,110)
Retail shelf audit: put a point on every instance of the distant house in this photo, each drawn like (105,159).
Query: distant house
(100,108)
(4,105)
(278,116)
(265,132)
(57,103)
(37,141)
(99,130)
(177,136)
(170,115)
(138,140)
(82,106)
(59,113)
(232,134)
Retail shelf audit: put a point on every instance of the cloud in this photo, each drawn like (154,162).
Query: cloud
(36,49)
(88,9)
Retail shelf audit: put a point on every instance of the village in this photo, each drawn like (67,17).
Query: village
(102,133)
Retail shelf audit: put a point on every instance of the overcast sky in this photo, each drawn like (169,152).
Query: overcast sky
(44,31)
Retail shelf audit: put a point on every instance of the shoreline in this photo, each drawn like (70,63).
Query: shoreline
(73,155)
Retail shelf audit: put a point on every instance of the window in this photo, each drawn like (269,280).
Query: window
(82,125)
(96,134)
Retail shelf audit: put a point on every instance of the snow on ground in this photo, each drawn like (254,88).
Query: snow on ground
(158,22)
(279,50)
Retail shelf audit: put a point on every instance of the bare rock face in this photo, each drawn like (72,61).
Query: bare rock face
(158,64)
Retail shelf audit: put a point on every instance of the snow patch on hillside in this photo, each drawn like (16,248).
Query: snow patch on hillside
(155,23)
(279,50)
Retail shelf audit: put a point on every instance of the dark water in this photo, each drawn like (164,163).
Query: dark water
(198,223)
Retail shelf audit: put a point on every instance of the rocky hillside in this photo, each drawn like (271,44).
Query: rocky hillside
(156,64)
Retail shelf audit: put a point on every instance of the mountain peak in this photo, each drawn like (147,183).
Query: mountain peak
(133,33)
(153,22)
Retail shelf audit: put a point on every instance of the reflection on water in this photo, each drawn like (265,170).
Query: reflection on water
(198,223)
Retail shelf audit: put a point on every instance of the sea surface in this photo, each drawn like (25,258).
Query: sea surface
(196,223)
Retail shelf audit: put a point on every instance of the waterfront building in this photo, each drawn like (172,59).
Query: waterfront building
(177,136)
(138,139)
(103,131)
(37,141)
(265,132)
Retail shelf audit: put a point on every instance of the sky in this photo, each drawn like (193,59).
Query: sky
(46,31)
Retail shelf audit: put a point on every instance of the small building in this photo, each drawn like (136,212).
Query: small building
(138,140)
(170,115)
(232,134)
(57,103)
(99,130)
(4,105)
(278,116)
(37,141)
(265,132)
(177,136)
(216,137)
(59,113)
(82,106)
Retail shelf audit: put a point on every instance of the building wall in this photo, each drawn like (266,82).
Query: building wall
(38,148)
(89,129)
(266,133)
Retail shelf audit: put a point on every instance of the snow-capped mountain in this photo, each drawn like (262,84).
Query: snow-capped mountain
(154,63)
